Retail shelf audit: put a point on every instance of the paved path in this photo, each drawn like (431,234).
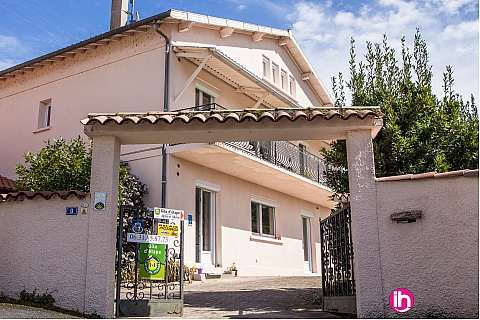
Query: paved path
(240,297)
(254,297)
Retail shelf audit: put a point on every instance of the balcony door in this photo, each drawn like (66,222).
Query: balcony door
(205,226)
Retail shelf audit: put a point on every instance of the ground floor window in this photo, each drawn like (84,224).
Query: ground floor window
(263,219)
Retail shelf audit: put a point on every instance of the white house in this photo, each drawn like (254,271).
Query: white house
(253,203)
(211,88)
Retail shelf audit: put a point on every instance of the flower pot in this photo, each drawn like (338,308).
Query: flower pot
(200,270)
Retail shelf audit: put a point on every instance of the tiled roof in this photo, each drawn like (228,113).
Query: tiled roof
(458,173)
(32,195)
(222,116)
(6,184)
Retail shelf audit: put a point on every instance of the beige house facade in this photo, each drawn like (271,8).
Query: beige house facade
(252,203)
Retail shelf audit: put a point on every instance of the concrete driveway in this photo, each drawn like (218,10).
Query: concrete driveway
(254,297)
(240,297)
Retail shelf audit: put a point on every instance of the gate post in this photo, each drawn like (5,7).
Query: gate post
(102,225)
(361,174)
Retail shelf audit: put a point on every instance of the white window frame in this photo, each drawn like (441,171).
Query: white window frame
(292,86)
(266,67)
(283,79)
(275,73)
(208,89)
(272,204)
(44,115)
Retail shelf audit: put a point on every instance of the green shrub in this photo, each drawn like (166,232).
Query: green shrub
(45,299)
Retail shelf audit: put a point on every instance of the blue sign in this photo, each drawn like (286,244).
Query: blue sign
(190,219)
(71,210)
(138,226)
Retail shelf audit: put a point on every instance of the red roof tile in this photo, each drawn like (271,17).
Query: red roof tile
(222,116)
(6,184)
(47,195)
(458,173)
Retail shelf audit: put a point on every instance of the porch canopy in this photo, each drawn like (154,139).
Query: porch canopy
(109,131)
(234,125)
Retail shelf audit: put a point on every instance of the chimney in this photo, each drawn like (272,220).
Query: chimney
(119,16)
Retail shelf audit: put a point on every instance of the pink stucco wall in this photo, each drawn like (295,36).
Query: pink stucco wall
(234,242)
(436,257)
(44,249)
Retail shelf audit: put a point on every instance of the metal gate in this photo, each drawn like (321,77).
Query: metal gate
(149,270)
(338,281)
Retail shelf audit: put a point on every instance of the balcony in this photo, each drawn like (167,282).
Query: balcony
(280,153)
(286,155)
(278,165)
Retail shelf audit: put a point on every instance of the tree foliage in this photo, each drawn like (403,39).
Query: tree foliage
(65,165)
(421,133)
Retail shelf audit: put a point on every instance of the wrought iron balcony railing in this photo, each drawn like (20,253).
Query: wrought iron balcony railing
(286,155)
(280,153)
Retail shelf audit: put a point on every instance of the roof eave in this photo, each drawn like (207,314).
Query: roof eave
(87,42)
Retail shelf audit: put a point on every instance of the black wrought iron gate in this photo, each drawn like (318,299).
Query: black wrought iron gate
(149,269)
(338,281)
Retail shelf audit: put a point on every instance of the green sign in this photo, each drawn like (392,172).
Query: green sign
(152,261)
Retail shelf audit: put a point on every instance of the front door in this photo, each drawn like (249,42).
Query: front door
(307,249)
(205,226)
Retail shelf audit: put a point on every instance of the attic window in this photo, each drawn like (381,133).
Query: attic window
(275,73)
(44,114)
(266,67)
(292,86)
(283,79)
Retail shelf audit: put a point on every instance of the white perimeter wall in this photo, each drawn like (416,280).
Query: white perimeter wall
(43,249)
(436,257)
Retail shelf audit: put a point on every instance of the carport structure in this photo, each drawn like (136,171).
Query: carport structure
(357,125)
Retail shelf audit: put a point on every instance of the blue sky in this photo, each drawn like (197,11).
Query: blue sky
(30,28)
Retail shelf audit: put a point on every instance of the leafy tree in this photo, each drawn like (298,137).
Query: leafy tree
(421,133)
(65,165)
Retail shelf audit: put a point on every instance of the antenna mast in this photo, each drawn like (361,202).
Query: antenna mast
(134,16)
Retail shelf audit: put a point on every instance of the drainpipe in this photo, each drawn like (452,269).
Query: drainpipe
(165,109)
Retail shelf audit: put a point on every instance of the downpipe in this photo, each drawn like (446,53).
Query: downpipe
(165,109)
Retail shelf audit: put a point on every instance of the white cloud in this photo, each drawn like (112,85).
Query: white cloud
(453,7)
(8,43)
(241,7)
(11,49)
(324,33)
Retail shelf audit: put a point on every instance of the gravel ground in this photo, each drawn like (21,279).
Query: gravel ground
(17,311)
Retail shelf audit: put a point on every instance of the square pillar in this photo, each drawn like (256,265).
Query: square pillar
(102,227)
(366,244)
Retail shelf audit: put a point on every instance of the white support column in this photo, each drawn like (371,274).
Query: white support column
(366,244)
(100,266)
